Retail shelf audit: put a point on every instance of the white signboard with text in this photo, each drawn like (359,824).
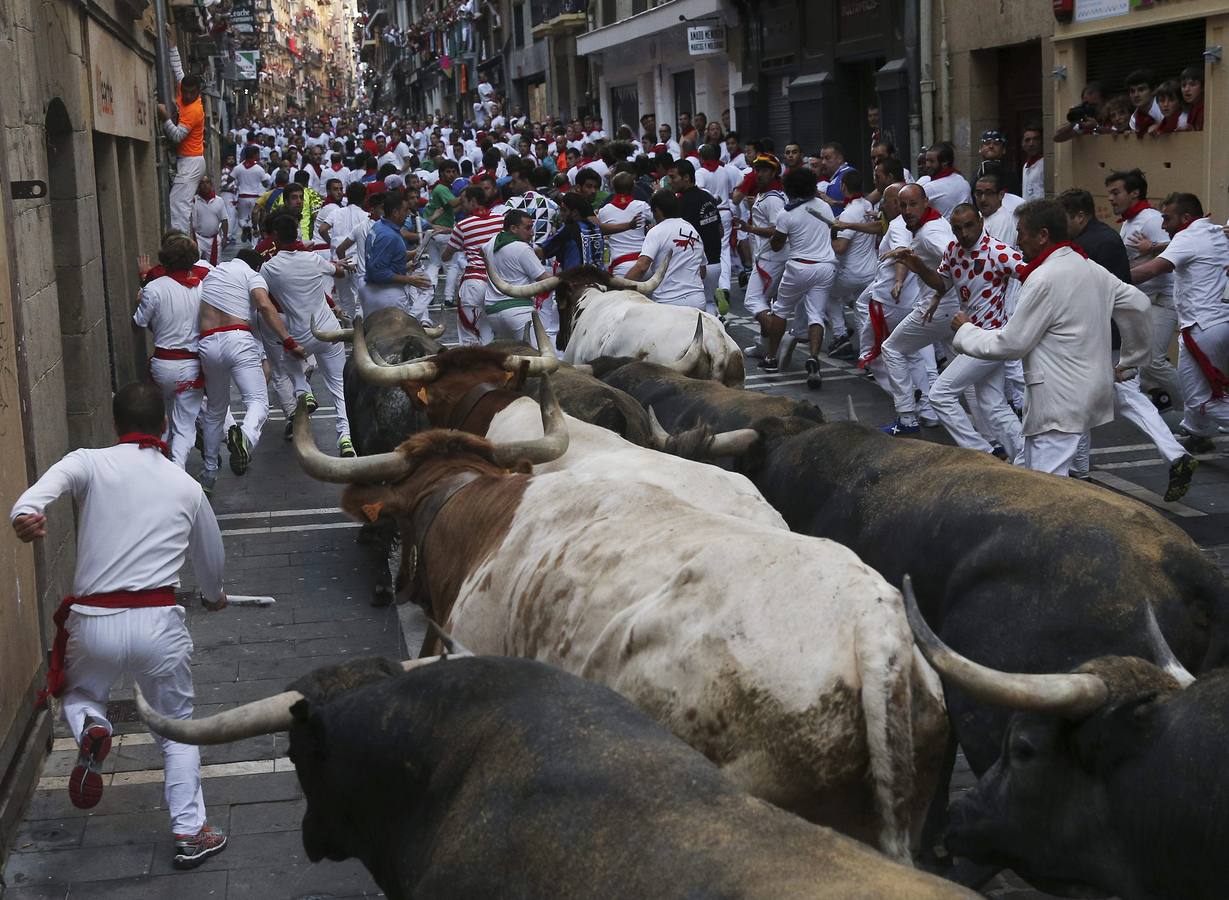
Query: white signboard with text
(1088,10)
(704,39)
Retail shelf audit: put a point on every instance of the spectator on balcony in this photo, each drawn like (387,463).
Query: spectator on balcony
(1117,115)
(1032,174)
(1085,117)
(1173,117)
(1191,83)
(1147,112)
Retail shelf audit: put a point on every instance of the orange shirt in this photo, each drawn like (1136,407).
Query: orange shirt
(193,117)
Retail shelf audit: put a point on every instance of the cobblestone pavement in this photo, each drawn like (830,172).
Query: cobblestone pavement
(285,537)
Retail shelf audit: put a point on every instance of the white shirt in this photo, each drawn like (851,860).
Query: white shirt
(386,158)
(171,311)
(1148,223)
(1199,254)
(929,243)
(626,243)
(296,279)
(515,263)
(250,181)
(358,237)
(1002,223)
(228,287)
(343,222)
(807,237)
(948,192)
(207,215)
(860,259)
(682,285)
(1032,180)
(720,183)
(138,515)
(764,211)
(897,236)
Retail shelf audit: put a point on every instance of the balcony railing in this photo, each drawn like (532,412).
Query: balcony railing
(557,12)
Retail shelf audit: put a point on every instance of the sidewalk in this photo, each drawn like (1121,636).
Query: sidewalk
(284,537)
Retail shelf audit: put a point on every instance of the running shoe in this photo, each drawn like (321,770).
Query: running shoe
(346,447)
(193,849)
(240,450)
(842,348)
(85,782)
(208,479)
(310,400)
(898,428)
(1197,443)
(1180,474)
(814,380)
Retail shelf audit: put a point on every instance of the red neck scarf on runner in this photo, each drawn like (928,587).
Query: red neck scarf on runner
(1032,160)
(145,441)
(1136,208)
(621,201)
(248,163)
(929,216)
(711,164)
(1045,254)
(186,277)
(208,197)
(849,197)
(1187,225)
(943,173)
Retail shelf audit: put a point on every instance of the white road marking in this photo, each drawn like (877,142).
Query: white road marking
(1131,489)
(280,513)
(153,776)
(279,529)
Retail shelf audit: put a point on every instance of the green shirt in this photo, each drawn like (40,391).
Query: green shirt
(441,198)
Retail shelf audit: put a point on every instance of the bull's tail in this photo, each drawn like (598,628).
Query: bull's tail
(885,662)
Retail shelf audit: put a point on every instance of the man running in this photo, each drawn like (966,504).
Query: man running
(210,226)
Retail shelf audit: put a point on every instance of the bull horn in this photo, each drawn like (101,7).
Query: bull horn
(1162,655)
(451,644)
(336,336)
(732,443)
(644,287)
(582,368)
(434,331)
(1072,696)
(554,442)
(519,291)
(853,416)
(363,470)
(385,375)
(545,362)
(266,716)
(661,437)
(690,358)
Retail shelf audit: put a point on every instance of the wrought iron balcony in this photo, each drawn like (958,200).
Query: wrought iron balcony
(558,16)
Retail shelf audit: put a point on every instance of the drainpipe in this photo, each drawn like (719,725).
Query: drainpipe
(945,80)
(166,95)
(911,67)
(926,80)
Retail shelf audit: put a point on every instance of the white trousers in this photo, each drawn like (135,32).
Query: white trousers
(808,284)
(152,645)
(921,364)
(452,268)
(845,292)
(1202,412)
(471,308)
(727,220)
(225,357)
(1050,451)
(243,211)
(985,377)
(762,285)
(509,324)
(177,379)
(382,296)
(210,248)
(911,336)
(345,293)
(1160,372)
(1132,405)
(279,369)
(331,360)
(188,173)
(232,218)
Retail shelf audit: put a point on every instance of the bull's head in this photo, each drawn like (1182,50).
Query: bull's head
(1045,807)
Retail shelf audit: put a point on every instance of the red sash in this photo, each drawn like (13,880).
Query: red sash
(620,260)
(764,277)
(176,353)
(163,596)
(209,331)
(1217,380)
(879,327)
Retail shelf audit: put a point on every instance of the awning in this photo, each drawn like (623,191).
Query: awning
(675,13)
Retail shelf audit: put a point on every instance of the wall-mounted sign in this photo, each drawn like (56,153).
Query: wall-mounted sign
(1089,10)
(120,85)
(246,65)
(705,39)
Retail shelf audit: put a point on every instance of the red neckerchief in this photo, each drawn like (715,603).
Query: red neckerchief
(1187,225)
(336,167)
(929,216)
(187,277)
(248,163)
(208,197)
(145,442)
(1045,254)
(1142,121)
(658,148)
(849,197)
(621,201)
(584,162)
(1138,207)
(1169,124)
(776,185)
(1033,160)
(711,164)
(943,173)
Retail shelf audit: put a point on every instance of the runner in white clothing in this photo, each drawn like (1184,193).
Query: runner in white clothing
(138,517)
(336,231)
(675,238)
(511,254)
(250,182)
(623,209)
(229,351)
(210,225)
(169,307)
(805,228)
(767,263)
(857,261)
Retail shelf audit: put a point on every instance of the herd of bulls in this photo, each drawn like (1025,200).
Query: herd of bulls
(725,568)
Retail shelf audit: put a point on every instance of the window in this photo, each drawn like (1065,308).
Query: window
(1165,49)
(609,12)
(518,24)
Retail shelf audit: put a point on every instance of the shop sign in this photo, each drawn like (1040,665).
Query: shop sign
(1091,10)
(247,65)
(705,39)
(119,84)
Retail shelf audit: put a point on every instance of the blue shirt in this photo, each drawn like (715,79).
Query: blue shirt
(385,253)
(834,189)
(576,244)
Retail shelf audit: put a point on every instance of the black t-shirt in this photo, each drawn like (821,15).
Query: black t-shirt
(700,209)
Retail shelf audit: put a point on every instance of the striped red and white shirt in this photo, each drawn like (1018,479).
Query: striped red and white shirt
(469,235)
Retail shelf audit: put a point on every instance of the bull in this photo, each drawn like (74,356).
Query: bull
(1021,571)
(596,321)
(1110,780)
(812,698)
(472,389)
(488,777)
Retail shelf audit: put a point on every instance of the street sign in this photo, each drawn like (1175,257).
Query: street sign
(242,16)
(246,62)
(705,39)
(1088,10)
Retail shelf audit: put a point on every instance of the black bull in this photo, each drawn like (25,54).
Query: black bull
(1017,570)
(492,777)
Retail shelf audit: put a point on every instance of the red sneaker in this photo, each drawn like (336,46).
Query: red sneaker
(85,782)
(193,849)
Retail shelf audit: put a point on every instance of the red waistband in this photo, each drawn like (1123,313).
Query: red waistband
(240,327)
(620,260)
(175,353)
(162,596)
(249,196)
